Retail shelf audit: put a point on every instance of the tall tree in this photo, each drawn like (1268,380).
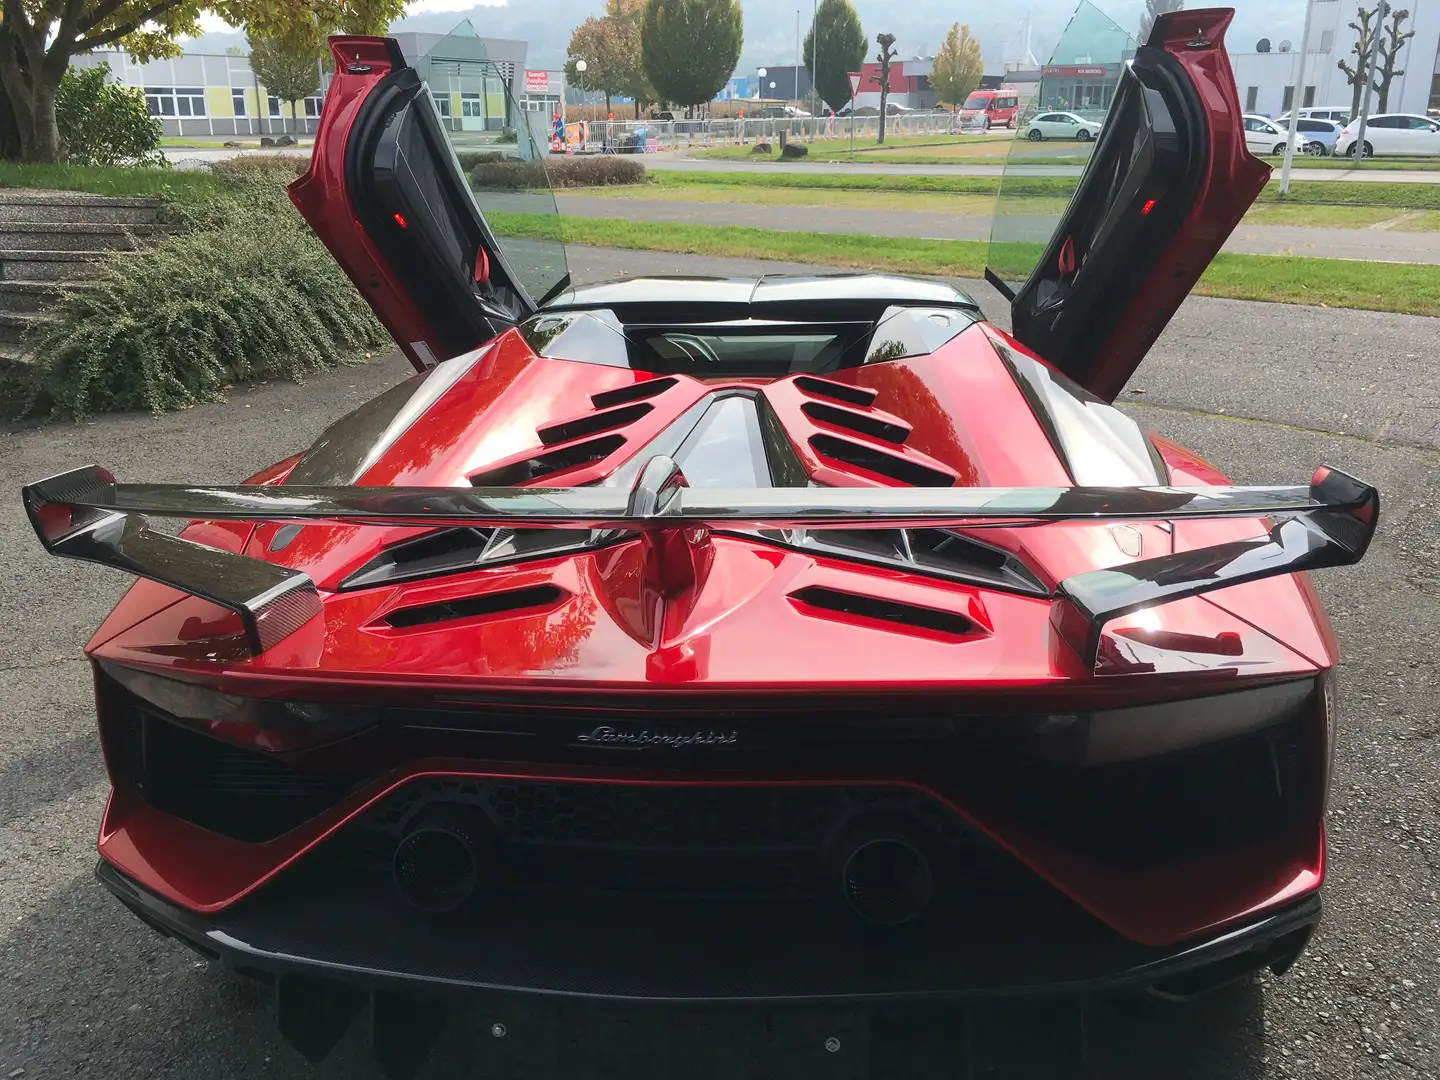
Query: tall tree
(623,23)
(1367,24)
(287,67)
(885,57)
(1390,46)
(690,47)
(587,42)
(38,38)
(958,66)
(1153,10)
(834,47)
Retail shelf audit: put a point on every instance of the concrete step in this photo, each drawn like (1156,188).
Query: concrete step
(30,297)
(46,265)
(71,236)
(14,328)
(57,207)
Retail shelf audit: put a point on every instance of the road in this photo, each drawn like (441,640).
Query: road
(682,161)
(1373,245)
(1266,392)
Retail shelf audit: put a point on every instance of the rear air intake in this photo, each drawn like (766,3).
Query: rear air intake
(878,461)
(607,399)
(569,457)
(850,395)
(471,606)
(887,611)
(593,424)
(872,426)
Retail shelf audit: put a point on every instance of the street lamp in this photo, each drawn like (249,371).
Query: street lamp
(580,67)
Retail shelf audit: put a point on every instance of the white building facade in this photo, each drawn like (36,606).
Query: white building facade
(1269,82)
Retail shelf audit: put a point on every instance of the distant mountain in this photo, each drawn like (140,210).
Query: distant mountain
(920,26)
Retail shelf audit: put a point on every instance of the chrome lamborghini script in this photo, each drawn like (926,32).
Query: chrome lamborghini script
(605,735)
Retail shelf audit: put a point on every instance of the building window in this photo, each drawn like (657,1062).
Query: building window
(471,105)
(173,101)
(274,104)
(1252,94)
(1288,100)
(1327,40)
(313,105)
(1309,97)
(442,104)
(237,101)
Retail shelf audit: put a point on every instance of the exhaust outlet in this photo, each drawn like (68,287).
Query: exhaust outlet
(437,865)
(888,881)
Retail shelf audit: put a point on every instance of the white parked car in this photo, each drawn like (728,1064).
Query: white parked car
(1060,125)
(1392,134)
(1338,113)
(1265,137)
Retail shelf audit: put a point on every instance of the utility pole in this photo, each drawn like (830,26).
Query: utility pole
(814,53)
(1380,13)
(797,55)
(1295,99)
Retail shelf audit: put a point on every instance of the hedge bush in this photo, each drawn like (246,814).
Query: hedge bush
(101,123)
(566,172)
(246,291)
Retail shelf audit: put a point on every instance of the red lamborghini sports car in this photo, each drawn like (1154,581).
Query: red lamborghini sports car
(782,641)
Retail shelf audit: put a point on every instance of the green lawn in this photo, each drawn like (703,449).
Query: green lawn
(1400,287)
(169,184)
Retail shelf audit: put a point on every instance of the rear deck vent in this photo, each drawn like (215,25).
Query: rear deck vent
(487,604)
(850,395)
(569,457)
(889,611)
(861,423)
(635,392)
(593,424)
(877,461)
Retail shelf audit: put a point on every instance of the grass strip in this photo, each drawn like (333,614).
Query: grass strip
(189,185)
(1399,287)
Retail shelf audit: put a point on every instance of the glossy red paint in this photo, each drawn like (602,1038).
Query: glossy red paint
(322,198)
(1230,183)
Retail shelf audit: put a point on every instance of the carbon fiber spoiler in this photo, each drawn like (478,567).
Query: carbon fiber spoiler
(84,514)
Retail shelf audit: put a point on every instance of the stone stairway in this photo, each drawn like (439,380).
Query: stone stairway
(48,241)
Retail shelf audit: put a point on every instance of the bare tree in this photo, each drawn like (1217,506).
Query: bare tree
(1390,46)
(885,56)
(1366,27)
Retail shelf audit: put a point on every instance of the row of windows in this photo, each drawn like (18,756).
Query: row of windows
(190,101)
(472,105)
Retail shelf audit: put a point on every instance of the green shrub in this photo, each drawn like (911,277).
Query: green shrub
(470,158)
(246,292)
(104,124)
(564,172)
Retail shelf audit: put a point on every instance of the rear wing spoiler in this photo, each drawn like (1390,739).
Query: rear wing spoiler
(84,514)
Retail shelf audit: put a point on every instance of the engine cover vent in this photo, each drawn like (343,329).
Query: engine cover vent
(899,615)
(493,603)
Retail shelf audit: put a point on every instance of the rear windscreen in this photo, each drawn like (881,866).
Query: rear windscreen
(777,354)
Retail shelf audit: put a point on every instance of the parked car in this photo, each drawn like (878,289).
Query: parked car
(804,645)
(1060,125)
(1320,135)
(778,112)
(1393,135)
(1266,138)
(1338,113)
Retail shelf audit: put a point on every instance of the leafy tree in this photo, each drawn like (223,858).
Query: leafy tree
(38,38)
(690,47)
(587,42)
(1366,26)
(1390,47)
(623,23)
(885,57)
(835,46)
(1153,10)
(958,66)
(287,67)
(101,123)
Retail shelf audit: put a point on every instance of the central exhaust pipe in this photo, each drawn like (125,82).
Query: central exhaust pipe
(888,881)
(437,865)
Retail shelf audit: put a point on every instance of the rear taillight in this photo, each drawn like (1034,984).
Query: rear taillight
(260,723)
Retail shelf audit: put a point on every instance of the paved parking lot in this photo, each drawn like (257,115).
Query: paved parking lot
(1266,392)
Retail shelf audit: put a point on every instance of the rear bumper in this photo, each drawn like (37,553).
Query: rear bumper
(694,956)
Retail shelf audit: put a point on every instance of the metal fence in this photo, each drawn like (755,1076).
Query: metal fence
(695,134)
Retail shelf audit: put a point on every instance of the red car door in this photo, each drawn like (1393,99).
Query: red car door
(1168,181)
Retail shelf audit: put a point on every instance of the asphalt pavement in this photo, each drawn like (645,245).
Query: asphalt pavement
(1371,245)
(1265,391)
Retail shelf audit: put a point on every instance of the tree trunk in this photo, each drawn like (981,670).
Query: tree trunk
(292,118)
(1384,102)
(1355,98)
(884,95)
(31,90)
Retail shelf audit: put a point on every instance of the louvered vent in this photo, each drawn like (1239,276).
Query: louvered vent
(553,461)
(593,424)
(860,423)
(488,604)
(898,614)
(607,399)
(850,395)
(878,461)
